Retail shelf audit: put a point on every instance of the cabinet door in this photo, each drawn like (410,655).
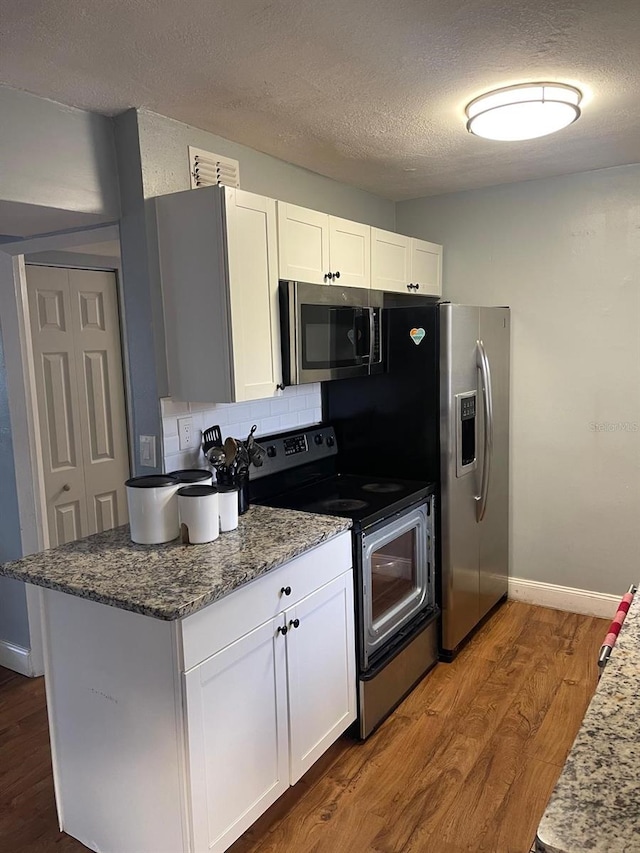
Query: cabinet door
(253,294)
(321,665)
(426,267)
(350,252)
(390,261)
(237,736)
(303,243)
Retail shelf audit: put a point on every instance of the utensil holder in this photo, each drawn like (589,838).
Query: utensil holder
(241,481)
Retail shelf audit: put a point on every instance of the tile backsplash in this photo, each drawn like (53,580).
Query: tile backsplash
(296,406)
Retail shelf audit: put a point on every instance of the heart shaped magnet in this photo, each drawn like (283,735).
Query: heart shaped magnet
(417,335)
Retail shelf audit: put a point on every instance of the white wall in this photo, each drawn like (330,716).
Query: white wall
(564,253)
(296,406)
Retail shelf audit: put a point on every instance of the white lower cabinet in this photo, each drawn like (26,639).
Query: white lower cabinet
(173,737)
(237,736)
(262,710)
(321,672)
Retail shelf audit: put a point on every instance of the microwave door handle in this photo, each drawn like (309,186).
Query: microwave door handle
(372,333)
(360,328)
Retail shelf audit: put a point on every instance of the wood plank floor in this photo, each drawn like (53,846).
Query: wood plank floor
(466,763)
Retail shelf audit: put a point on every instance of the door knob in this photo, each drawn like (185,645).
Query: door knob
(328,275)
(336,274)
(294,623)
(66,487)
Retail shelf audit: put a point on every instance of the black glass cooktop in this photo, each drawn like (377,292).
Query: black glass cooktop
(363,499)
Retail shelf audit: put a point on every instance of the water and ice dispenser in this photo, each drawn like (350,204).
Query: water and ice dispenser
(466,432)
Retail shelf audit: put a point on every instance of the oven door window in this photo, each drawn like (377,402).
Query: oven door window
(396,581)
(333,336)
(393,575)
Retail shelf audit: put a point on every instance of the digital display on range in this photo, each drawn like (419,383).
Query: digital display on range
(295,444)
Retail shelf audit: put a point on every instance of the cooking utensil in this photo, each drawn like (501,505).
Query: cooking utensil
(216,456)
(257,454)
(211,437)
(230,451)
(255,451)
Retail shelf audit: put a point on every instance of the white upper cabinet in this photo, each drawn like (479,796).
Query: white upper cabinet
(390,260)
(303,243)
(322,249)
(219,270)
(349,252)
(405,264)
(426,267)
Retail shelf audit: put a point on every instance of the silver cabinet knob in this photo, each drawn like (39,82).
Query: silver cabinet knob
(66,487)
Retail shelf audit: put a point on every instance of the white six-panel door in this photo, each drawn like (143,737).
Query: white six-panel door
(75,335)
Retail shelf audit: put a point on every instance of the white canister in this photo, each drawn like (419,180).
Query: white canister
(228,507)
(193,477)
(198,514)
(153,508)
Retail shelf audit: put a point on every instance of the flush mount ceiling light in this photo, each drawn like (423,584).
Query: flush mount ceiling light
(523,112)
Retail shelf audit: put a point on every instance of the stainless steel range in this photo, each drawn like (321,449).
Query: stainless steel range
(393,559)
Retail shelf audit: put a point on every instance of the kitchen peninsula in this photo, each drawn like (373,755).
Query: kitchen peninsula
(594,806)
(189,686)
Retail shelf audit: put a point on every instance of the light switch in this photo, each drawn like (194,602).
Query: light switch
(148,451)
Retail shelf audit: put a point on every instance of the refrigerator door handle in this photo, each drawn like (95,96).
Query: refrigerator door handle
(482,363)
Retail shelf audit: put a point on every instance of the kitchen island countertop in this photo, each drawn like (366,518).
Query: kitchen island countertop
(173,580)
(596,804)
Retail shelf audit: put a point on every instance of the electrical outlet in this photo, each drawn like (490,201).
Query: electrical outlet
(148,451)
(185,433)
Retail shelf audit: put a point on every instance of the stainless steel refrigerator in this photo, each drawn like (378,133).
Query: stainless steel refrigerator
(474,466)
(440,412)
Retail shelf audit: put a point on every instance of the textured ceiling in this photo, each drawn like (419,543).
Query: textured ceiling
(370,92)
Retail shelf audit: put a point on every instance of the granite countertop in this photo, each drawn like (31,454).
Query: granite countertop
(596,804)
(174,580)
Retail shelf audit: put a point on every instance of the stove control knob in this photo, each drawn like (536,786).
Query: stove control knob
(318,438)
(330,441)
(271,451)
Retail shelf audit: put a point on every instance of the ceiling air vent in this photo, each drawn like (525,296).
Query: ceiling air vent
(210,170)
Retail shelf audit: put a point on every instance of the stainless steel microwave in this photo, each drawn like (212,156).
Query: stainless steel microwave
(329,332)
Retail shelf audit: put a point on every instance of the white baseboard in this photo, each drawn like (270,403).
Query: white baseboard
(16,658)
(564,598)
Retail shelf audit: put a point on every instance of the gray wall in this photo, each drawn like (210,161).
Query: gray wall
(564,253)
(14,624)
(56,156)
(143,329)
(165,169)
(152,161)
(57,170)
